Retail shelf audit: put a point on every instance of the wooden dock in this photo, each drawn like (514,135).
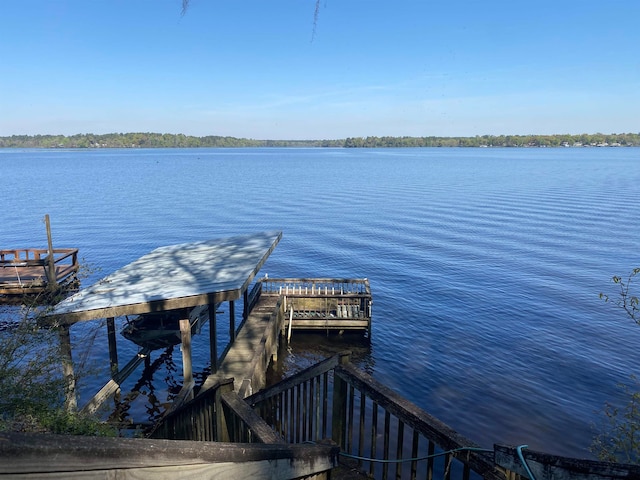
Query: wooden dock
(30,271)
(325,304)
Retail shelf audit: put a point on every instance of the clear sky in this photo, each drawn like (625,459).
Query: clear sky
(256,69)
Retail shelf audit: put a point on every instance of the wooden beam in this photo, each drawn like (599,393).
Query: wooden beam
(71,402)
(114,384)
(113,348)
(213,337)
(263,432)
(552,467)
(232,321)
(187,369)
(61,456)
(51,268)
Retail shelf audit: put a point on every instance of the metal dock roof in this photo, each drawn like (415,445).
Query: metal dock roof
(175,276)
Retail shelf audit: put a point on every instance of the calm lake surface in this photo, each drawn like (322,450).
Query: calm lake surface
(485,264)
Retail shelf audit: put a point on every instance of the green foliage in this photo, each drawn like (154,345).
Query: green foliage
(626,300)
(167,140)
(32,386)
(151,140)
(30,372)
(619,437)
(584,140)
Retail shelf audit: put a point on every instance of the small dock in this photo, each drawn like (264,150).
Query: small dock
(325,304)
(31,271)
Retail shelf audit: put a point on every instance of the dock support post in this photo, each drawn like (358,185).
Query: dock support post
(213,338)
(71,402)
(113,348)
(51,267)
(185,332)
(245,309)
(232,321)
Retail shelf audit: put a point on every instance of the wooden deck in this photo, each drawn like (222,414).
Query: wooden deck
(326,304)
(31,271)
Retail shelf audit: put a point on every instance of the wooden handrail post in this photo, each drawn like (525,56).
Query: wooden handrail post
(222,426)
(339,410)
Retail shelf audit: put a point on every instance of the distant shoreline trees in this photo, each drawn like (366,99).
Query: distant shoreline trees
(167,140)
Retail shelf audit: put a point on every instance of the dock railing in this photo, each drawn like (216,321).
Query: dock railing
(377,430)
(315,286)
(35,268)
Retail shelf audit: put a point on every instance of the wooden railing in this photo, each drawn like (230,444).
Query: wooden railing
(378,431)
(33,270)
(71,456)
(315,286)
(36,256)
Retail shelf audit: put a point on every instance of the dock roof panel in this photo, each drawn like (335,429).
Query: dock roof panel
(175,276)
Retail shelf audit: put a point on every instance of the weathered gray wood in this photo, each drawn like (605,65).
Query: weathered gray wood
(51,267)
(57,456)
(232,321)
(430,427)
(27,270)
(213,337)
(553,467)
(112,385)
(263,432)
(300,377)
(71,402)
(247,357)
(330,324)
(339,408)
(185,332)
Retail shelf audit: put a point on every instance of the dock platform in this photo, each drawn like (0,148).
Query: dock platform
(326,304)
(34,270)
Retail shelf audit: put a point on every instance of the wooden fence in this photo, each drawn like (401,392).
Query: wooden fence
(378,431)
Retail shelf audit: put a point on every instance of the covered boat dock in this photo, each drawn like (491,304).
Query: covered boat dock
(177,277)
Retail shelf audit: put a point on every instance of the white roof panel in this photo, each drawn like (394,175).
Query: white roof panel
(175,276)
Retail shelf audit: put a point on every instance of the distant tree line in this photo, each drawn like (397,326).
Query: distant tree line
(151,140)
(586,140)
(168,140)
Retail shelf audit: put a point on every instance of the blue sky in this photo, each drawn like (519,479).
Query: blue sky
(255,69)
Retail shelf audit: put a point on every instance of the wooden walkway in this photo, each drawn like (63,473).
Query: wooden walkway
(255,344)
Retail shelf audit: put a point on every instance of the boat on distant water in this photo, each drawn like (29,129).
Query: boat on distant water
(158,330)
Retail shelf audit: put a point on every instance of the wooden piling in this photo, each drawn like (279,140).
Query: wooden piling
(52,281)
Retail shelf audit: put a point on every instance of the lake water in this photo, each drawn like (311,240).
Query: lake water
(485,264)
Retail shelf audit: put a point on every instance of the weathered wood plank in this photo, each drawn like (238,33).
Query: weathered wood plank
(248,356)
(58,456)
(553,467)
(256,424)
